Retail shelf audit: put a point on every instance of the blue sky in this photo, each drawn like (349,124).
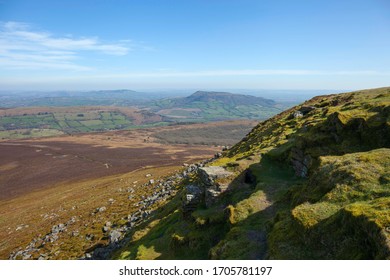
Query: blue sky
(213,44)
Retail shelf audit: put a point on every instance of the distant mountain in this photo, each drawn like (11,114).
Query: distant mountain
(210,105)
(224,97)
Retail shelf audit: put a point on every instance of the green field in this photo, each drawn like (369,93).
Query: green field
(49,124)
(29,133)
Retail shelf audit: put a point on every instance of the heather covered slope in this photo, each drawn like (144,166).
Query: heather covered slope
(310,183)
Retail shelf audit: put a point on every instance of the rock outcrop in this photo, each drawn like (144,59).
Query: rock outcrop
(212,184)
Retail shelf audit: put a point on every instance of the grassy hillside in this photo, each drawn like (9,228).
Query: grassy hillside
(310,183)
(212,106)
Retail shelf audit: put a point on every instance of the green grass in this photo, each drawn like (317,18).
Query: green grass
(73,122)
(345,201)
(28,121)
(217,110)
(91,123)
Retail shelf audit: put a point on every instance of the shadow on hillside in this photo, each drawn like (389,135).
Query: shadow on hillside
(168,235)
(257,204)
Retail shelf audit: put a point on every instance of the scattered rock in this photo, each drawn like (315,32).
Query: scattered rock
(20,227)
(43,257)
(58,228)
(115,235)
(217,155)
(130,190)
(72,220)
(297,114)
(90,237)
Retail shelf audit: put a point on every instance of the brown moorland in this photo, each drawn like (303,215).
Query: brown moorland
(48,181)
(27,165)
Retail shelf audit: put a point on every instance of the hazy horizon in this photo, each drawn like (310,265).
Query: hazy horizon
(285,97)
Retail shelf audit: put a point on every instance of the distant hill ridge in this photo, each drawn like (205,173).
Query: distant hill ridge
(224,97)
(216,106)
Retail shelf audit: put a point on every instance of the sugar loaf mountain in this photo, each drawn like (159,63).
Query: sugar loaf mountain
(311,182)
(214,106)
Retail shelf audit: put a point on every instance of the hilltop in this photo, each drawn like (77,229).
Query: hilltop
(210,105)
(312,182)
(225,97)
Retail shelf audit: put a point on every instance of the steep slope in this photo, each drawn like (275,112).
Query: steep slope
(310,183)
(206,106)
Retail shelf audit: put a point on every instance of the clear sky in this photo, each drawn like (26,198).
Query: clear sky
(208,44)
